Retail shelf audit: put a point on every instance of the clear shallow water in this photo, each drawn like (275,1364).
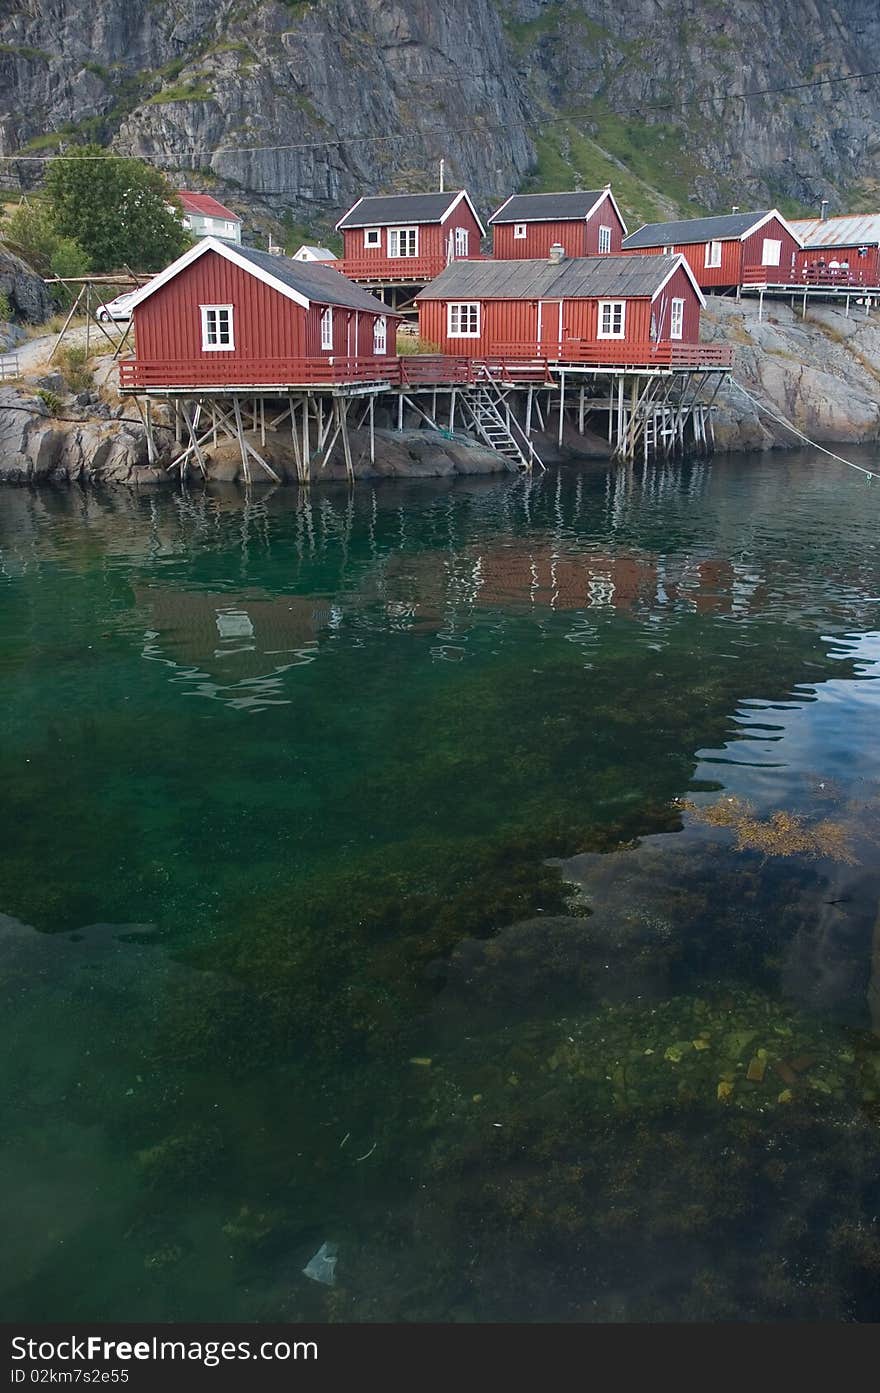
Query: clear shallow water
(482,880)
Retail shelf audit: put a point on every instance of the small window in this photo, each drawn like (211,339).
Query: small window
(667,250)
(676,323)
(217,334)
(403,241)
(463,320)
(713,254)
(372,236)
(604,239)
(230,229)
(612,319)
(772,251)
(461,241)
(519,232)
(380,334)
(327,329)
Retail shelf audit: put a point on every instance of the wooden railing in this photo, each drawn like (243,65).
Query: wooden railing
(843,276)
(508,363)
(611,353)
(9,367)
(331,370)
(389,268)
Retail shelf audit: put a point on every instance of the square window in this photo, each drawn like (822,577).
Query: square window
(372,237)
(403,241)
(612,319)
(519,231)
(463,320)
(217,333)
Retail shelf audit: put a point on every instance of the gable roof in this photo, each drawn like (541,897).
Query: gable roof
(553,207)
(851,230)
(314,253)
(720,228)
(304,282)
(578,278)
(205,206)
(405,208)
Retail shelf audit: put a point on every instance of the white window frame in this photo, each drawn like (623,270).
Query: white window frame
(372,238)
(771,252)
(612,306)
(712,259)
(454,318)
(604,237)
(668,250)
(676,319)
(220,347)
(519,231)
(395,234)
(460,241)
(380,335)
(327,330)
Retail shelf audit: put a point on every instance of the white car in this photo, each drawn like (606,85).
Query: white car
(118,310)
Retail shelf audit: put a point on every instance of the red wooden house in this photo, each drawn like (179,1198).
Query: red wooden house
(621,310)
(842,251)
(584,224)
(727,251)
(407,237)
(224,316)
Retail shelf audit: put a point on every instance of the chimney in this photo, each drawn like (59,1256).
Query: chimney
(557,254)
(823,211)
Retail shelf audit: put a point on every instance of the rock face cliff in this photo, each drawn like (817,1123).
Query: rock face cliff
(295,107)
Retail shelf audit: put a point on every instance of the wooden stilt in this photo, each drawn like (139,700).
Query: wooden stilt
(373,427)
(400,411)
(151,444)
(306,443)
(73,309)
(245,462)
(561,405)
(346,443)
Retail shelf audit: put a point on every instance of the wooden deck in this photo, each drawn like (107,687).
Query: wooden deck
(510,362)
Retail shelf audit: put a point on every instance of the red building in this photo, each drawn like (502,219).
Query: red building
(583,224)
(409,237)
(840,251)
(223,315)
(725,252)
(622,310)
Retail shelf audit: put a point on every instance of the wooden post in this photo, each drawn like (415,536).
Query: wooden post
(306,450)
(88,315)
(151,447)
(73,309)
(373,427)
(262,420)
(452,409)
(342,407)
(561,405)
(529,412)
(245,462)
(400,411)
(581,409)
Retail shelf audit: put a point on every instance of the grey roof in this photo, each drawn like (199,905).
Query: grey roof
(314,280)
(662,234)
(581,277)
(398,208)
(319,253)
(849,230)
(547,207)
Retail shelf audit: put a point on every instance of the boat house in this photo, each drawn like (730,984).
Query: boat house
(587,223)
(724,252)
(838,251)
(609,309)
(223,315)
(397,243)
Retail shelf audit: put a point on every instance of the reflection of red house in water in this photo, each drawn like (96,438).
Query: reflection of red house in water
(231,637)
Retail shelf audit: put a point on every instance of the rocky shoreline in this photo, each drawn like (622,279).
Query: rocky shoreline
(822,374)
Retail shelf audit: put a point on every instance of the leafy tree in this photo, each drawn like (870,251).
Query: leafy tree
(31,230)
(121,211)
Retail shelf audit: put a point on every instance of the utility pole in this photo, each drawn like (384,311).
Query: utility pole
(442,167)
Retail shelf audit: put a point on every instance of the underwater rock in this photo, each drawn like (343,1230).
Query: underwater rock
(322,1267)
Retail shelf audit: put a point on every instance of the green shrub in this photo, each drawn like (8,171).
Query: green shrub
(50,400)
(5,308)
(73,364)
(410,344)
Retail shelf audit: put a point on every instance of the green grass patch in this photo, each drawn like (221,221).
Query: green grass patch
(33,55)
(184,92)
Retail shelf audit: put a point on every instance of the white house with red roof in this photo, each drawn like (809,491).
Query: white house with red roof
(203,216)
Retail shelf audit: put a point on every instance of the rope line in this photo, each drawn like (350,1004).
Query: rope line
(762,406)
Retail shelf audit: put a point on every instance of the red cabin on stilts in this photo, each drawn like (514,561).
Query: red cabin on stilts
(724,252)
(587,223)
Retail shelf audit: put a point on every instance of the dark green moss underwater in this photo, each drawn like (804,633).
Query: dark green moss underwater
(353,900)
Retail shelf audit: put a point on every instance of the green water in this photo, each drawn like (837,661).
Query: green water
(400,871)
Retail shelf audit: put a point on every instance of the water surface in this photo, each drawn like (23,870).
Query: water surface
(482,879)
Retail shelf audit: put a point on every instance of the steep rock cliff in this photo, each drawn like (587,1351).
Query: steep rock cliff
(297,107)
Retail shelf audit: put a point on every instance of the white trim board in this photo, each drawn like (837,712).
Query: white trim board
(681,260)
